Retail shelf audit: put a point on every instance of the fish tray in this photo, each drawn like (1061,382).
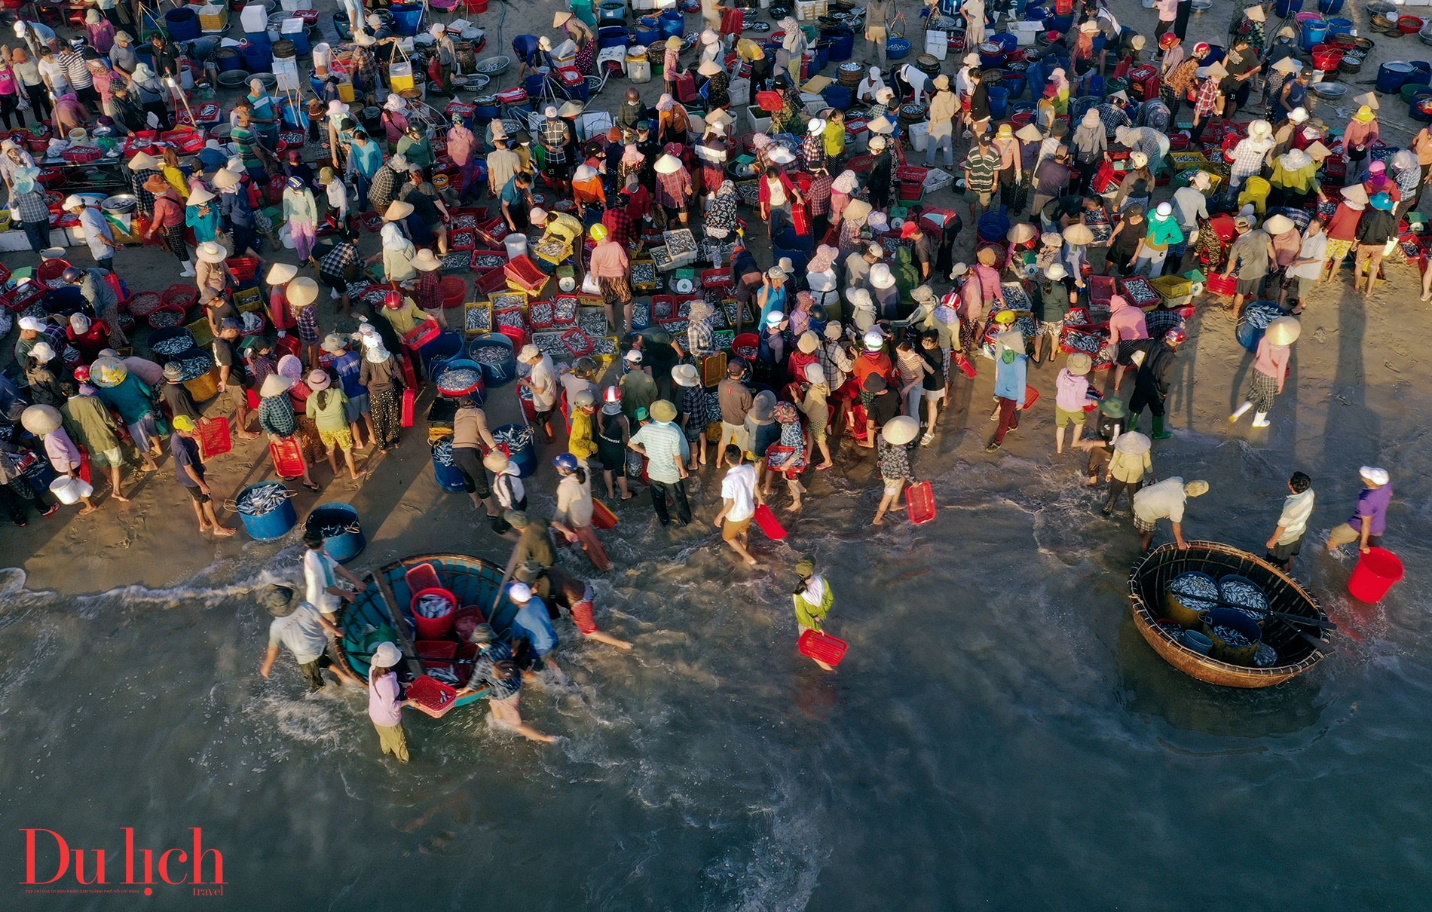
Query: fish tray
(644,279)
(523,275)
(432,696)
(1139,292)
(592,320)
(483,261)
(578,342)
(550,342)
(539,314)
(477,318)
(463,241)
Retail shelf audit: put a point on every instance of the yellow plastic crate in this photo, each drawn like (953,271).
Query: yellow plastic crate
(199,329)
(471,307)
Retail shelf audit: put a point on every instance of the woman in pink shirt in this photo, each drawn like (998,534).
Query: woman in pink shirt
(609,266)
(385,702)
(1270,367)
(9,95)
(1126,324)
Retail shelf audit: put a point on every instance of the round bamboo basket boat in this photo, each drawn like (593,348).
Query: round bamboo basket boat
(1297,646)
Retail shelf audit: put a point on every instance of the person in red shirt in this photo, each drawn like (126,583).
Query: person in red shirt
(89,336)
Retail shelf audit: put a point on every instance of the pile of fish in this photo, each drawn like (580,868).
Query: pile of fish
(458,381)
(194,366)
(540,313)
(433,606)
(551,343)
(516,437)
(508,300)
(165,318)
(261,500)
(479,319)
(464,222)
(175,345)
(593,321)
(512,319)
(564,310)
(455,262)
(1265,657)
(1230,637)
(442,452)
(1197,591)
(485,261)
(334,529)
(643,274)
(1243,595)
(489,355)
(604,346)
(641,313)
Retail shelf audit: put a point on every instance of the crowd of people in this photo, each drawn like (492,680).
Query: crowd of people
(857,330)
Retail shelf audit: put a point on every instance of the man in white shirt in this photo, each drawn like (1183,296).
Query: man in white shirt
(739,497)
(304,631)
(1164,500)
(320,578)
(1287,539)
(543,384)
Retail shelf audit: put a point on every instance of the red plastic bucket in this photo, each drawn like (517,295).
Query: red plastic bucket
(1376,573)
(436,628)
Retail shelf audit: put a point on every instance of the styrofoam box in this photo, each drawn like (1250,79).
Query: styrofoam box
(254,18)
(937,43)
(740,92)
(919,136)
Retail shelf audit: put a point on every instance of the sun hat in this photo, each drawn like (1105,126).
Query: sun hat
(318,380)
(1021,233)
(143,161)
(814,373)
(1381,201)
(874,383)
(42,352)
(1139,160)
(495,461)
(1278,224)
(280,601)
(900,430)
(923,294)
(1163,211)
(199,196)
(1113,408)
(212,252)
(807,343)
(426,261)
(1056,272)
(156,183)
(301,291)
(775,318)
(686,375)
(662,410)
(41,419)
(881,276)
(667,164)
(1132,443)
(385,656)
(1196,488)
(833,331)
(1364,114)
(397,211)
(1078,235)
(958,270)
(520,593)
(856,210)
(1375,475)
(334,344)
(987,256)
(1079,363)
(633,356)
(1283,331)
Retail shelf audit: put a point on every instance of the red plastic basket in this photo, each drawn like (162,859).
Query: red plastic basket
(287,455)
(432,696)
(1221,284)
(822,647)
(436,628)
(51,269)
(188,139)
(436,649)
(920,502)
(27,294)
(540,314)
(243,268)
(156,321)
(463,241)
(186,296)
(82,155)
(491,282)
(521,273)
(422,334)
(215,438)
(454,290)
(578,342)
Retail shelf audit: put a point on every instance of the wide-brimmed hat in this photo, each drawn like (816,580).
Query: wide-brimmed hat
(496,461)
(900,430)
(808,342)
(1374,474)
(881,276)
(1113,408)
(281,273)
(856,210)
(199,196)
(1283,331)
(1196,488)
(708,68)
(667,164)
(143,161)
(334,344)
(318,380)
(224,179)
(833,330)
(662,410)
(1132,443)
(1078,235)
(212,252)
(397,211)
(1021,233)
(426,261)
(763,407)
(41,419)
(301,291)
(1079,363)
(275,384)
(1278,224)
(686,375)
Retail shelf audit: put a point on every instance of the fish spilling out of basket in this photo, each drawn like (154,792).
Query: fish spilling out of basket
(458,380)
(1231,637)
(375,296)
(479,319)
(162,319)
(442,452)
(550,343)
(258,501)
(171,347)
(489,355)
(433,605)
(194,367)
(515,437)
(455,262)
(508,300)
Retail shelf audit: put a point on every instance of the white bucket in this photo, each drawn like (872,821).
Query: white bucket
(516,245)
(68,490)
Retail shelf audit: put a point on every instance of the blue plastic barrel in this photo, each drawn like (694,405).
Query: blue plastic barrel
(1421,73)
(672,23)
(1035,14)
(407,18)
(522,453)
(535,83)
(612,11)
(447,344)
(258,56)
(896,48)
(992,61)
(461,363)
(182,24)
(842,42)
(838,96)
(227,59)
(998,102)
(1061,24)
(1330,7)
(1289,9)
(496,372)
(612,36)
(1392,76)
(301,44)
(276,523)
(648,30)
(447,474)
(1253,322)
(821,55)
(346,545)
(1340,26)
(294,113)
(1005,40)
(1315,32)
(992,227)
(1421,107)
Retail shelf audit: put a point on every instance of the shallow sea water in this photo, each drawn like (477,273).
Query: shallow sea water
(1000,737)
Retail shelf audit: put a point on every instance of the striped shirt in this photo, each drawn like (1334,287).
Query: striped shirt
(663,443)
(980,170)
